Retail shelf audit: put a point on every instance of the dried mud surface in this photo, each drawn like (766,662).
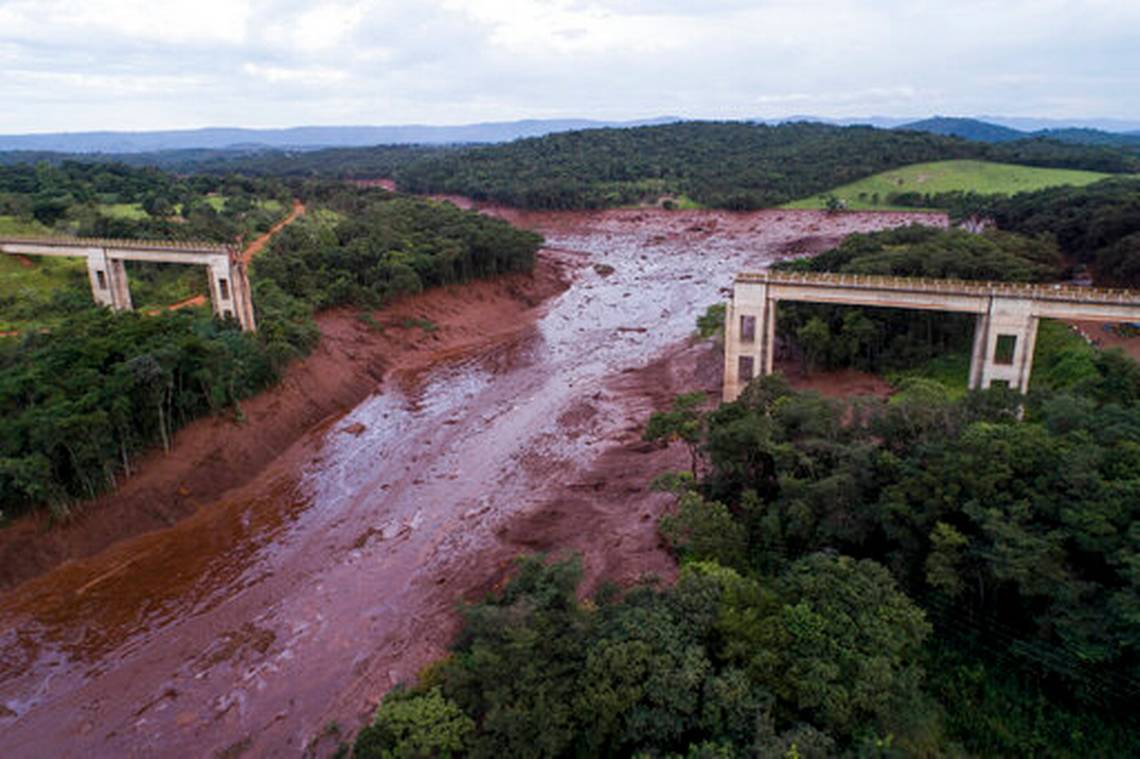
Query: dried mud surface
(306,591)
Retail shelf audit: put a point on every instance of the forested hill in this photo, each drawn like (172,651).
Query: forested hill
(970,129)
(726,165)
(733,165)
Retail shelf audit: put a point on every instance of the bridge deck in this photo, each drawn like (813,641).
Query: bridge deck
(161,246)
(950,287)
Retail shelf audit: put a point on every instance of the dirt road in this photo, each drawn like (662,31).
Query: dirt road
(297,599)
(259,244)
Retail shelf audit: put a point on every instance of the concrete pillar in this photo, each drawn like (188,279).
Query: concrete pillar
(120,289)
(108,278)
(230,292)
(243,296)
(221,289)
(99,273)
(749,332)
(1009,320)
(978,355)
(769,357)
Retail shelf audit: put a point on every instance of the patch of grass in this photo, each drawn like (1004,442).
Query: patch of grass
(322,217)
(1061,359)
(160,285)
(946,176)
(427,325)
(951,370)
(28,292)
(370,321)
(12,225)
(681,203)
(130,211)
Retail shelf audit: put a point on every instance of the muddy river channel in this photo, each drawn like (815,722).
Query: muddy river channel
(269,621)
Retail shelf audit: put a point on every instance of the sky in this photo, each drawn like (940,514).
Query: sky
(74,65)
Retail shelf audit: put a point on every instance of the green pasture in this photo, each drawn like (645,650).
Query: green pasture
(1061,360)
(30,288)
(11,225)
(130,211)
(982,177)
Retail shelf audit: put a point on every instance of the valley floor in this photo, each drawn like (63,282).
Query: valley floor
(301,563)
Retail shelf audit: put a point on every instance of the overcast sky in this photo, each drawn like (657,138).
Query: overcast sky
(151,64)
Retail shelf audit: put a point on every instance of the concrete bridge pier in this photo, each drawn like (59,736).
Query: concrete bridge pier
(1005,339)
(108,279)
(230,292)
(750,338)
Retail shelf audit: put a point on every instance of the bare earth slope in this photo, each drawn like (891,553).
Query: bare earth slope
(301,596)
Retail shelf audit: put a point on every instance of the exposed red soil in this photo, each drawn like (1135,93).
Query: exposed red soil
(387,184)
(840,383)
(608,514)
(1106,336)
(213,455)
(192,302)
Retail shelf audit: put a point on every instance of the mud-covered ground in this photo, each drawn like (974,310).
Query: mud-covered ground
(330,568)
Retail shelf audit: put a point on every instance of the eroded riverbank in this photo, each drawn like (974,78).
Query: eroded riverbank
(303,595)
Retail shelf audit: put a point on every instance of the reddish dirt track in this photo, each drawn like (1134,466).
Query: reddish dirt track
(314,557)
(259,244)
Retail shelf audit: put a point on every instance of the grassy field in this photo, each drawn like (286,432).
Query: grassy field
(10,225)
(1062,358)
(948,176)
(29,285)
(131,211)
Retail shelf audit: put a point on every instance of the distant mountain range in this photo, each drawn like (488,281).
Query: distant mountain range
(985,131)
(1108,132)
(301,138)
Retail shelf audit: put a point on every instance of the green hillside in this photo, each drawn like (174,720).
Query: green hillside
(982,177)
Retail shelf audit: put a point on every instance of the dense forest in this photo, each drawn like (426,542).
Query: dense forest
(725,165)
(114,200)
(381,245)
(327,163)
(81,400)
(1098,225)
(924,576)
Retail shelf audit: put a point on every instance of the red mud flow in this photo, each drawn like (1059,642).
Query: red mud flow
(329,567)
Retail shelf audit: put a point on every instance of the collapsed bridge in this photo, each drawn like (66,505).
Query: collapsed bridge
(1004,336)
(229,281)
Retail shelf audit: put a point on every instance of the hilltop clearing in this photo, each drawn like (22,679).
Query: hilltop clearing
(912,186)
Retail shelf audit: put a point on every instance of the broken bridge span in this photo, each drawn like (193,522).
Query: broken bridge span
(1007,314)
(229,282)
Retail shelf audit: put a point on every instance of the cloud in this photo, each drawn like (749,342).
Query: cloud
(84,64)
